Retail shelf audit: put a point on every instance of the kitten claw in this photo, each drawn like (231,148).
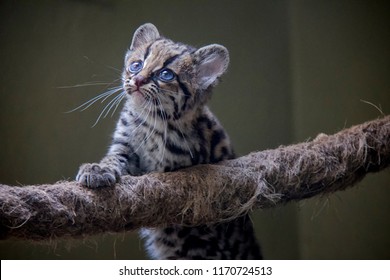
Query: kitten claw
(93,175)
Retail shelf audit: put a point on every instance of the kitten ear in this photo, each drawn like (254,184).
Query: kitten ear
(144,34)
(212,62)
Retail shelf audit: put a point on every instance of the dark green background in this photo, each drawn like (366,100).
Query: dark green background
(297,68)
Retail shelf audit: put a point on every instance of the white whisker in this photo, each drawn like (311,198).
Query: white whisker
(139,117)
(90,102)
(123,95)
(165,123)
(87,84)
(150,107)
(152,130)
(113,68)
(107,108)
(185,140)
(171,91)
(105,65)
(114,102)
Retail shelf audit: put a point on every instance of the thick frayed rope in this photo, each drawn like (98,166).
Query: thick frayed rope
(201,194)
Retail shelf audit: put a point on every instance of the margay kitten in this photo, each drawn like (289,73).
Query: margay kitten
(165,125)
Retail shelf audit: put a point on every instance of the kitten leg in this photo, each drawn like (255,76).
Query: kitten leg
(106,173)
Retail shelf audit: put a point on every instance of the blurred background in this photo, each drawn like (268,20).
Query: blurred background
(297,68)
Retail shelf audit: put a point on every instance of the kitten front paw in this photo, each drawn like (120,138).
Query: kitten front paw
(93,175)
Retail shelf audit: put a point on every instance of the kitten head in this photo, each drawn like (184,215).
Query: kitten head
(169,78)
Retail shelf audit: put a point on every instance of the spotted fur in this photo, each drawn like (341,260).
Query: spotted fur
(166,125)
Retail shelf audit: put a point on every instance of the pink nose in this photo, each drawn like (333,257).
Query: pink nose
(139,80)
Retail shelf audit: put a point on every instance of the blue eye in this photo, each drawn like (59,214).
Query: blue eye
(135,66)
(166,75)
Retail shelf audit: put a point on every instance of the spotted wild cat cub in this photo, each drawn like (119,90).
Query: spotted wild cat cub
(165,125)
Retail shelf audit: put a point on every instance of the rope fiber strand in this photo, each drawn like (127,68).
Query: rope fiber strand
(202,194)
